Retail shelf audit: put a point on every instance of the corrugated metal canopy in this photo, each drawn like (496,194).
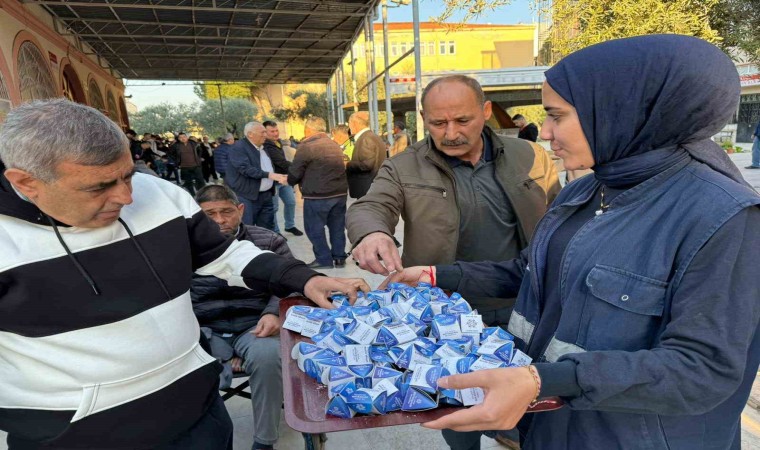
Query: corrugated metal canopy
(269,41)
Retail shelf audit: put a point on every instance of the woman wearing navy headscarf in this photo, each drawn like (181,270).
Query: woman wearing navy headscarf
(639,297)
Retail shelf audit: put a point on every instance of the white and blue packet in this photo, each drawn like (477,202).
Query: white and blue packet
(387,351)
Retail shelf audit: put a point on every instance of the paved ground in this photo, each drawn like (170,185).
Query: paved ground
(413,435)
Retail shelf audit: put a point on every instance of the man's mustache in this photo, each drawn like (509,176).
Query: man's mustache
(455,142)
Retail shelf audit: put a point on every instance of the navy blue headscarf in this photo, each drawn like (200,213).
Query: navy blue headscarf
(646,103)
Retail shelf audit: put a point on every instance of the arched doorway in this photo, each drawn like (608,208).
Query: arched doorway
(35,80)
(72,87)
(96,97)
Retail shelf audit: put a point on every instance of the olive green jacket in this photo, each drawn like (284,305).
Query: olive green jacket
(419,186)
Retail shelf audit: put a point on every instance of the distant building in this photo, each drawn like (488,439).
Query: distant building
(749,106)
(36,62)
(443,47)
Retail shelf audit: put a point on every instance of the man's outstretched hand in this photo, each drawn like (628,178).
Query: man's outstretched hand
(318,289)
(377,253)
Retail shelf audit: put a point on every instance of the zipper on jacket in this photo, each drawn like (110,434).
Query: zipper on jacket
(530,182)
(424,186)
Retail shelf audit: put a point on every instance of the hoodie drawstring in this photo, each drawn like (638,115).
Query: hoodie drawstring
(87,276)
(146,259)
(73,258)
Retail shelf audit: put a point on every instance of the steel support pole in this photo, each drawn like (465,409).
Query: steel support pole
(417,69)
(387,77)
(367,66)
(353,80)
(373,74)
(221,106)
(334,98)
(339,84)
(329,104)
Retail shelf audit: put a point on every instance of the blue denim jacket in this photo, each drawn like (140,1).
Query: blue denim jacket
(619,275)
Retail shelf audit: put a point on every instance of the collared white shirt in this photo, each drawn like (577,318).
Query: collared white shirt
(266,166)
(356,136)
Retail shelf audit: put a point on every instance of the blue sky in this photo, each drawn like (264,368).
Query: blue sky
(182,91)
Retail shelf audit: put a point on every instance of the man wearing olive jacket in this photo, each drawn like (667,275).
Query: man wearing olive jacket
(464,192)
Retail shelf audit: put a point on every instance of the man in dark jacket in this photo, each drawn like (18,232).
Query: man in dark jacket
(207,165)
(368,155)
(221,154)
(528,131)
(136,149)
(251,175)
(189,161)
(243,324)
(318,168)
(273,147)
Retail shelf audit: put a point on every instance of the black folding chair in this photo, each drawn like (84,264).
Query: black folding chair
(239,390)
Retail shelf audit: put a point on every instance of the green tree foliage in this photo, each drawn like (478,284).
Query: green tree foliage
(738,23)
(209,90)
(164,117)
(198,118)
(469,9)
(302,104)
(579,24)
(237,112)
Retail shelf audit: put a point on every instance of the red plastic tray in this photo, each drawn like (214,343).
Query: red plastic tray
(305,399)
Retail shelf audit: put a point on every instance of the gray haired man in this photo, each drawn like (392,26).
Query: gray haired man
(95,270)
(250,173)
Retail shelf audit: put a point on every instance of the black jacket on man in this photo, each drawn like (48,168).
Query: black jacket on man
(232,309)
(529,132)
(277,155)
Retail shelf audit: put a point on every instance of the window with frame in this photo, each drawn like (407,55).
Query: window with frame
(113,112)
(96,97)
(394,48)
(35,80)
(68,87)
(431,48)
(5,99)
(452,48)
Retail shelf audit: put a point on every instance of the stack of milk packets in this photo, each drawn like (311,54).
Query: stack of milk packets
(387,351)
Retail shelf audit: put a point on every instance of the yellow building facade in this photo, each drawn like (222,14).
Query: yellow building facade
(443,48)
